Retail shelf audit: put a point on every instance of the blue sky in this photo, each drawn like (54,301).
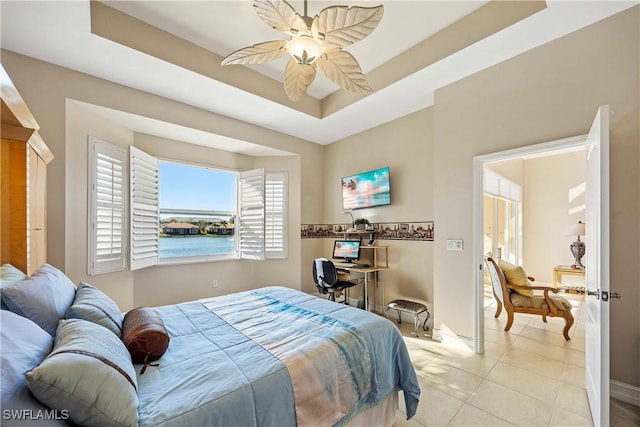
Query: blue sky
(188,187)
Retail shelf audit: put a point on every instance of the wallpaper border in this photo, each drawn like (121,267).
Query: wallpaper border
(401,230)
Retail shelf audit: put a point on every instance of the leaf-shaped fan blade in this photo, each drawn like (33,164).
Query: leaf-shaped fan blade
(297,77)
(261,52)
(342,68)
(280,15)
(342,25)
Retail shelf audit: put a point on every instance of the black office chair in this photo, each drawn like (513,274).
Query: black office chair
(325,277)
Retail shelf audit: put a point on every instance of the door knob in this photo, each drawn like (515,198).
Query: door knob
(615,295)
(595,293)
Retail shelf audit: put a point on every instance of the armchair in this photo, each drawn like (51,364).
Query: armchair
(508,295)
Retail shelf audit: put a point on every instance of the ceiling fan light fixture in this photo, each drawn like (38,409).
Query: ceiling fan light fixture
(305,49)
(315,43)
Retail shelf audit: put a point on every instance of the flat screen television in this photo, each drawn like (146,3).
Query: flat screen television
(346,250)
(366,189)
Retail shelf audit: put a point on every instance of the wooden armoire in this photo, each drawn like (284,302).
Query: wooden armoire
(23,172)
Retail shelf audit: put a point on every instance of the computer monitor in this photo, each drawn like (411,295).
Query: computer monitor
(347,250)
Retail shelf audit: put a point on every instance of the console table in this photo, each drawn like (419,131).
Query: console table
(565,270)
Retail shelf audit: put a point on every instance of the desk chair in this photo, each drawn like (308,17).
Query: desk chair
(325,277)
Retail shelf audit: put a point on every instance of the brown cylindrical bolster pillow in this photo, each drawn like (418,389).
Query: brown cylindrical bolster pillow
(144,335)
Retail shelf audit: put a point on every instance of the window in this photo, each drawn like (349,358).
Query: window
(180,212)
(198,211)
(107,204)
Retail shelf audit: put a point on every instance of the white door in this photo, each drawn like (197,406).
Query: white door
(597,268)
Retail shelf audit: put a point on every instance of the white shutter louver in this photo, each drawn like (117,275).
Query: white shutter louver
(252,215)
(108,174)
(276,215)
(145,217)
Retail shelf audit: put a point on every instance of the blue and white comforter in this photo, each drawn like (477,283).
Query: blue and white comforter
(273,357)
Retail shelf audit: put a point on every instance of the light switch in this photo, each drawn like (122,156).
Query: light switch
(454,244)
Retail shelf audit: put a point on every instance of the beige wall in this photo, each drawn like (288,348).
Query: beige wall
(405,146)
(46,89)
(80,123)
(546,94)
(546,214)
(512,169)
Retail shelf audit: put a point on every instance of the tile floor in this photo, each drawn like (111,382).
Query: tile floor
(529,376)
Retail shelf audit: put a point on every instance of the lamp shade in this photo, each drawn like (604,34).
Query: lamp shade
(576,229)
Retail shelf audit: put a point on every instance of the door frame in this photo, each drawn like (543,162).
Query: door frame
(478,215)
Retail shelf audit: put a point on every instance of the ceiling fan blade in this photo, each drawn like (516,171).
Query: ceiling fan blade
(259,53)
(280,15)
(342,25)
(342,68)
(297,77)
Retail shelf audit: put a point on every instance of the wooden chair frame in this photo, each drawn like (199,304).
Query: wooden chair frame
(502,291)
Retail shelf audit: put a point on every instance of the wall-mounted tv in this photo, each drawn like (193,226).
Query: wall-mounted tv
(366,189)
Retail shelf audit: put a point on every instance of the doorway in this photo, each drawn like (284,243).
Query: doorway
(515,252)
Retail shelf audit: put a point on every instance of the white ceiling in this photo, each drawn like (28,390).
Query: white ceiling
(59,32)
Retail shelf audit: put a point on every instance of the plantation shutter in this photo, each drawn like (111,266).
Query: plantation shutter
(107,172)
(275,229)
(252,214)
(145,218)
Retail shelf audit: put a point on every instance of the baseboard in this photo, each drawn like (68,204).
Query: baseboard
(624,392)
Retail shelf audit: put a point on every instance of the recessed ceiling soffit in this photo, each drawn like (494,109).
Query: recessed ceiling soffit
(128,31)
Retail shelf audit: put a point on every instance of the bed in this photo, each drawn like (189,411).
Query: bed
(266,357)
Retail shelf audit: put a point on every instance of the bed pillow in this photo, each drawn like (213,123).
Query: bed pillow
(8,276)
(24,345)
(144,335)
(43,298)
(89,373)
(95,306)
(516,275)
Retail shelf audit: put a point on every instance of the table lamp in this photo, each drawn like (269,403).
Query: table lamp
(577,247)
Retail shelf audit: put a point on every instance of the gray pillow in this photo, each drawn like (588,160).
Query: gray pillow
(24,345)
(89,373)
(43,298)
(95,306)
(8,276)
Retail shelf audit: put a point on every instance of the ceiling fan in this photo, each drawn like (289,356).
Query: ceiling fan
(314,43)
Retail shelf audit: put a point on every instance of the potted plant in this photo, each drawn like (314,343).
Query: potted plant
(361,223)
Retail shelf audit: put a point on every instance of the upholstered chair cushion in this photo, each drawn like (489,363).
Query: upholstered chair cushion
(538,301)
(516,275)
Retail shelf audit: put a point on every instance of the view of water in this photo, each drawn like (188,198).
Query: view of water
(171,247)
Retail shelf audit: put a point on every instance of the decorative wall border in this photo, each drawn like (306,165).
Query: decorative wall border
(406,230)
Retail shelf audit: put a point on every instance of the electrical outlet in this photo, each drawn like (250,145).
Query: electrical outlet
(215,283)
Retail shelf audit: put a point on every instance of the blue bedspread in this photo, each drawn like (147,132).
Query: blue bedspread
(254,359)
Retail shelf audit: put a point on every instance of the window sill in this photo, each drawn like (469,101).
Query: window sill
(197,260)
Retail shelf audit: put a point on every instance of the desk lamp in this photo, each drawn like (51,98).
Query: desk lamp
(353,226)
(577,247)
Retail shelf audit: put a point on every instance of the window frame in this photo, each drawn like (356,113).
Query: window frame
(142,201)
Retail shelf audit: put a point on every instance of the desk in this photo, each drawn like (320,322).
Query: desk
(565,270)
(365,271)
